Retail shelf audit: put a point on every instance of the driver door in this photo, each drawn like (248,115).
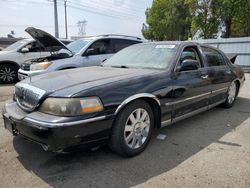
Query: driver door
(98,52)
(191,88)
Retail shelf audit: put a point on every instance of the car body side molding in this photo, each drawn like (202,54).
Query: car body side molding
(137,96)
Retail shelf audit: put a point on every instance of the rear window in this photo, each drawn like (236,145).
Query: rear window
(214,58)
(119,44)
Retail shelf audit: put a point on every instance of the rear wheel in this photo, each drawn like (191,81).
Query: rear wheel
(132,129)
(8,73)
(231,95)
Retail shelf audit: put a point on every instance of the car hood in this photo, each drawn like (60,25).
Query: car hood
(49,42)
(83,78)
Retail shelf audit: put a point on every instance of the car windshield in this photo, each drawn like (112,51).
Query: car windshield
(143,56)
(15,46)
(77,45)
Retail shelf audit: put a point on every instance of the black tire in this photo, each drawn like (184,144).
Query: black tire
(8,73)
(229,103)
(117,142)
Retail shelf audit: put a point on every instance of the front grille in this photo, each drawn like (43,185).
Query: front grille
(25,66)
(28,96)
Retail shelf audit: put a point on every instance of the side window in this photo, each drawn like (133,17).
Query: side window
(119,44)
(34,47)
(214,58)
(189,53)
(102,46)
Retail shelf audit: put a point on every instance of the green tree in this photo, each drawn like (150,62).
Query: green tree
(204,18)
(240,25)
(229,10)
(167,20)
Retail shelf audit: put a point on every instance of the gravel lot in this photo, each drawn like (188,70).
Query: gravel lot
(211,149)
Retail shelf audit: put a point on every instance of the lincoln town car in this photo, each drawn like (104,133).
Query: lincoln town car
(141,88)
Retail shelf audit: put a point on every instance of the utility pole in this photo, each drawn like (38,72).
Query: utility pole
(56,19)
(66,25)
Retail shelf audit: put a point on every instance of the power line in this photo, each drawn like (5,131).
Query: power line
(114,9)
(117,16)
(109,7)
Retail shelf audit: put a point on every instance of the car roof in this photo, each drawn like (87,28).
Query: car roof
(113,36)
(178,43)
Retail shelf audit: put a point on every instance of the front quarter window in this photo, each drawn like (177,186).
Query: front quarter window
(150,56)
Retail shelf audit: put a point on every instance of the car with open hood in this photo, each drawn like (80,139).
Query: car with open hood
(22,51)
(87,51)
(142,87)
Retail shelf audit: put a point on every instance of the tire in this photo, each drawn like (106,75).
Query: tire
(231,95)
(135,138)
(8,73)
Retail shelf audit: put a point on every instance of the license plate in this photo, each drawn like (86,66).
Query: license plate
(8,124)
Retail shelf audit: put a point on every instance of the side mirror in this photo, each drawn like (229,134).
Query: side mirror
(90,51)
(188,64)
(24,50)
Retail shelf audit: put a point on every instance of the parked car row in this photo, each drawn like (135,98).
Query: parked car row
(44,53)
(142,87)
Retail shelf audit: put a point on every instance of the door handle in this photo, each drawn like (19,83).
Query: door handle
(204,77)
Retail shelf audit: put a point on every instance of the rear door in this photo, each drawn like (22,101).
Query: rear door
(101,50)
(219,73)
(191,89)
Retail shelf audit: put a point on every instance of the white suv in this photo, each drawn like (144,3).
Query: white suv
(88,51)
(14,55)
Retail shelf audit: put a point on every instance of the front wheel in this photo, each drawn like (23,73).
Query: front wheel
(8,73)
(132,129)
(231,95)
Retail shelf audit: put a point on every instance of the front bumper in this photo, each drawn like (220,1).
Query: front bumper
(22,74)
(57,133)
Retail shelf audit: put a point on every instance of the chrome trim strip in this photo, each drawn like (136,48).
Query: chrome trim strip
(34,90)
(190,114)
(137,96)
(53,125)
(30,87)
(216,104)
(218,90)
(197,111)
(187,99)
(166,123)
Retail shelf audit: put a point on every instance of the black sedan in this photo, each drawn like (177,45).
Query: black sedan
(142,87)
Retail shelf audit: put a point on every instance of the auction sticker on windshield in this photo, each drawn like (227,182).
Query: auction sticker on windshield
(165,46)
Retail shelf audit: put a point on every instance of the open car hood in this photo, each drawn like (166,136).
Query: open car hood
(232,57)
(49,42)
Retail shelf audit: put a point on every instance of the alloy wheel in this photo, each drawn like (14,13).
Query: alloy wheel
(232,92)
(7,74)
(137,128)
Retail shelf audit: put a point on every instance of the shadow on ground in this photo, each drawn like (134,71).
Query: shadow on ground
(103,168)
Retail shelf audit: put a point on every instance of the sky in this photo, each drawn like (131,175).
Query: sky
(103,16)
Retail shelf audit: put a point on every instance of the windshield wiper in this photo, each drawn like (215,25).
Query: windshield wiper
(120,66)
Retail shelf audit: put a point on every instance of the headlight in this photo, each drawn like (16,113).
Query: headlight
(40,66)
(71,106)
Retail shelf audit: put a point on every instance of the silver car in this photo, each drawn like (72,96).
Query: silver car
(88,51)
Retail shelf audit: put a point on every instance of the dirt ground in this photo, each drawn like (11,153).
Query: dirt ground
(211,149)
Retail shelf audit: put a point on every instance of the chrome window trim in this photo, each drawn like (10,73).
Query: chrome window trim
(136,96)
